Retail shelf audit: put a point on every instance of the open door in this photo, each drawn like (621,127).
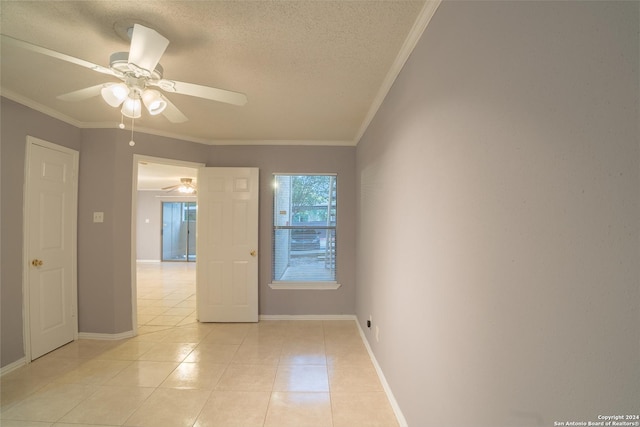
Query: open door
(227,245)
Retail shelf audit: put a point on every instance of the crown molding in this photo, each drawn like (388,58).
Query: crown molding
(427,12)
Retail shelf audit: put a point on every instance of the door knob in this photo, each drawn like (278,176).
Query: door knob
(37,262)
(252,253)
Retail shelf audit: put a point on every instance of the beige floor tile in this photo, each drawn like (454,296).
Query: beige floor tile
(179,311)
(186,304)
(49,403)
(130,350)
(80,425)
(15,423)
(234,409)
(347,354)
(225,334)
(299,410)
(108,405)
(362,409)
(152,311)
(44,369)
(95,371)
(187,334)
(82,349)
(145,318)
(213,353)
(168,352)
(353,379)
(169,407)
(257,354)
(301,372)
(143,374)
(301,378)
(188,321)
(17,389)
(195,375)
(164,320)
(247,378)
(148,330)
(303,353)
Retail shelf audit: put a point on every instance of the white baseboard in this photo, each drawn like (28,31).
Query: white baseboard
(153,261)
(385,385)
(307,317)
(107,337)
(13,366)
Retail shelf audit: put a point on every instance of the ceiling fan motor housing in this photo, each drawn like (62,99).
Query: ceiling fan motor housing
(119,62)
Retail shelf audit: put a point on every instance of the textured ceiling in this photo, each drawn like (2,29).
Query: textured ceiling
(313,71)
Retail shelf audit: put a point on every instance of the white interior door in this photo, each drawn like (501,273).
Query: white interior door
(50,245)
(227,245)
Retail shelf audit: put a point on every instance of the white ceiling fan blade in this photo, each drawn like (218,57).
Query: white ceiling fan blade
(171,187)
(82,94)
(147,46)
(57,55)
(212,93)
(172,113)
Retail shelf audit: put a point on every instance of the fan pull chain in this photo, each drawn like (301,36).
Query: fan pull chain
(132,142)
(121,125)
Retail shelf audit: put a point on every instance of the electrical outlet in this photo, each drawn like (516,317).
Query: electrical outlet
(98,217)
(377,334)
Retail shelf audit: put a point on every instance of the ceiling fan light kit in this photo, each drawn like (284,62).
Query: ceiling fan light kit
(186,186)
(139,70)
(132,107)
(154,101)
(114,94)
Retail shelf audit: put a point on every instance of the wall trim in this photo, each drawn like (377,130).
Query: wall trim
(106,337)
(148,261)
(423,19)
(13,366)
(385,385)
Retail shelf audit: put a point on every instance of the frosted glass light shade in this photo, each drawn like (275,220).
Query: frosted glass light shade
(154,101)
(132,108)
(114,94)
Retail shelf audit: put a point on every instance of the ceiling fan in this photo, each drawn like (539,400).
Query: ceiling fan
(186,186)
(140,72)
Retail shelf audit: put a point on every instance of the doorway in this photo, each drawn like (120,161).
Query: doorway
(179,231)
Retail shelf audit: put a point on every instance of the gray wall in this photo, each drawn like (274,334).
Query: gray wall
(498,217)
(18,122)
(104,249)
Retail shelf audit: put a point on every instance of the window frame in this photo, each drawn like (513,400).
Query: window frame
(299,284)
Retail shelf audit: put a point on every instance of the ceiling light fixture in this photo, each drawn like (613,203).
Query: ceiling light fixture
(154,101)
(186,190)
(115,93)
(132,107)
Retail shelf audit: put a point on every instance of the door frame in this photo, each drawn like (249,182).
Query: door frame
(26,230)
(137,158)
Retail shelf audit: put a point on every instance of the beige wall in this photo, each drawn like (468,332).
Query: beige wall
(498,217)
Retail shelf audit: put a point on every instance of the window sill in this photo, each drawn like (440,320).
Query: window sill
(314,286)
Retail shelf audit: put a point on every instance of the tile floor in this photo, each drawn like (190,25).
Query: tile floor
(178,372)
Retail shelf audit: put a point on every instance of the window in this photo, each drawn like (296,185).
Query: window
(304,231)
